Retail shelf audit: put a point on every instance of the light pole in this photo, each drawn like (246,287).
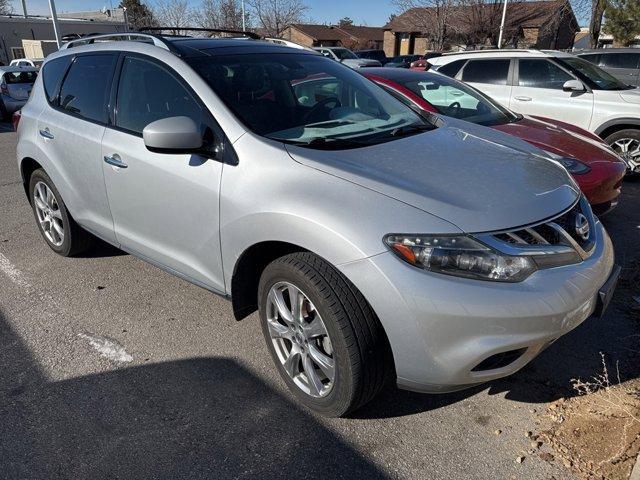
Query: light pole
(504,16)
(54,19)
(243,25)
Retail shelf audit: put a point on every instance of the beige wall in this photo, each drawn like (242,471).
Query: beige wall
(297,36)
(389,44)
(419,46)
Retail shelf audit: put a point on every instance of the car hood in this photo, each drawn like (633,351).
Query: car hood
(548,135)
(631,96)
(474,177)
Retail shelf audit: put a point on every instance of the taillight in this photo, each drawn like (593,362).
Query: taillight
(4,89)
(15,120)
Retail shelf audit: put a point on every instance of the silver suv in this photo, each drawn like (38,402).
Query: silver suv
(377,245)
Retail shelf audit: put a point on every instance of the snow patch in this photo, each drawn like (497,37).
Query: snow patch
(107,348)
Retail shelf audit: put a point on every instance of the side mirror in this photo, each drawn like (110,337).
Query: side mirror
(573,86)
(172,135)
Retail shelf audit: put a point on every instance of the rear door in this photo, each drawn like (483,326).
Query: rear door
(538,91)
(492,76)
(70,134)
(622,65)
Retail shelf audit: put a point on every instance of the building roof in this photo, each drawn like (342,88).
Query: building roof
(344,34)
(368,33)
(525,14)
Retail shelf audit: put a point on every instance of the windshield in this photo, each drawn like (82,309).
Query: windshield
(593,75)
(343,53)
(455,99)
(305,99)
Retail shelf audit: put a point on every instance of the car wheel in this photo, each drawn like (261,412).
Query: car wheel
(59,230)
(323,336)
(626,143)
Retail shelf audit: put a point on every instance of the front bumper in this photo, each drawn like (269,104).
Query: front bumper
(442,328)
(602,185)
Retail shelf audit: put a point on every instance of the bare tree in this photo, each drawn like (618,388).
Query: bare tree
(431,17)
(274,16)
(173,14)
(226,14)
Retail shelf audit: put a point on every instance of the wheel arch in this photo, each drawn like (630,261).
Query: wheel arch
(612,126)
(28,165)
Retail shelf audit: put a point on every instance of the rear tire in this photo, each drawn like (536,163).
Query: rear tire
(59,230)
(626,143)
(353,343)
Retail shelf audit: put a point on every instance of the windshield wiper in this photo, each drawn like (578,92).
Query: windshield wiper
(411,129)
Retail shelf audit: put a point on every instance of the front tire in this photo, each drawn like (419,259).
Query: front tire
(63,235)
(323,336)
(626,143)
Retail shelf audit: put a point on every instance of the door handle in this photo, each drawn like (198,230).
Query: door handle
(523,99)
(115,161)
(45,133)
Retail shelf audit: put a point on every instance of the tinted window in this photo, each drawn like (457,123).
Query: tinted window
(19,77)
(592,57)
(620,60)
(138,105)
(591,74)
(85,89)
(451,69)
(486,71)
(541,74)
(52,73)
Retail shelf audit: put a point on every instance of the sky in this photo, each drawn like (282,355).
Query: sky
(365,12)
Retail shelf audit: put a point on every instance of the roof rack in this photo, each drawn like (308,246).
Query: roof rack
(130,36)
(251,35)
(493,50)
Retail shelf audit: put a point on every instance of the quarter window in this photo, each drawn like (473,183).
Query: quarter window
(85,89)
(147,92)
(52,73)
(541,74)
(487,71)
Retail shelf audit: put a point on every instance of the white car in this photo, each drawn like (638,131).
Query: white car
(27,62)
(556,85)
(346,56)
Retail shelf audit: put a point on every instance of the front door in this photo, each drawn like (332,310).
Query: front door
(165,207)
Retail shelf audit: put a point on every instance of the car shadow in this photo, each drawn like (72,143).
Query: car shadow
(208,418)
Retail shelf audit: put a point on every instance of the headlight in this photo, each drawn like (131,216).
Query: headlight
(461,256)
(572,165)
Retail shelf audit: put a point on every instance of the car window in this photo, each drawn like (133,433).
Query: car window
(620,60)
(487,71)
(540,73)
(312,91)
(344,54)
(52,73)
(591,74)
(592,57)
(85,89)
(19,77)
(451,69)
(138,105)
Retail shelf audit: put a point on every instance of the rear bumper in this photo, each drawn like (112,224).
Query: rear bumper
(445,331)
(11,104)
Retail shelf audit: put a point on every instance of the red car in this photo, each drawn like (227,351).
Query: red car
(596,168)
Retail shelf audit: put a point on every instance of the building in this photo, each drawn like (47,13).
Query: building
(537,24)
(15,28)
(350,36)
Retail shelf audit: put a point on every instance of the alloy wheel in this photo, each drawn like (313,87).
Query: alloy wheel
(300,339)
(49,214)
(629,150)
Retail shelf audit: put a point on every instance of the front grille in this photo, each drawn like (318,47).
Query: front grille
(566,238)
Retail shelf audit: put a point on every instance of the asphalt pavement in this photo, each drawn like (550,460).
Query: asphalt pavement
(112,368)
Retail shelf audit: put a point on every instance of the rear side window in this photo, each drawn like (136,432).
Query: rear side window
(85,89)
(592,57)
(139,105)
(620,60)
(52,73)
(19,77)
(541,74)
(451,69)
(487,71)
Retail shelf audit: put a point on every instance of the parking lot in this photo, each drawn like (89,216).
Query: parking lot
(194,394)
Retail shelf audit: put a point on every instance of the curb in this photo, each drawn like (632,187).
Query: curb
(635,473)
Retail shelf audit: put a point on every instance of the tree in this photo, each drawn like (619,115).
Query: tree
(595,25)
(138,14)
(225,14)
(622,20)
(345,21)
(173,14)
(274,16)
(6,7)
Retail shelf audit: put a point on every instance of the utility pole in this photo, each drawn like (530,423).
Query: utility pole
(243,25)
(24,8)
(504,17)
(54,19)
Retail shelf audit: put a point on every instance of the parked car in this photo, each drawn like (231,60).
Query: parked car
(26,62)
(622,63)
(346,56)
(373,54)
(403,61)
(15,86)
(596,168)
(375,244)
(555,85)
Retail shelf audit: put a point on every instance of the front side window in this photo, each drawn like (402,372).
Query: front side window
(147,92)
(52,73)
(85,89)
(538,73)
(486,71)
(306,99)
(591,74)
